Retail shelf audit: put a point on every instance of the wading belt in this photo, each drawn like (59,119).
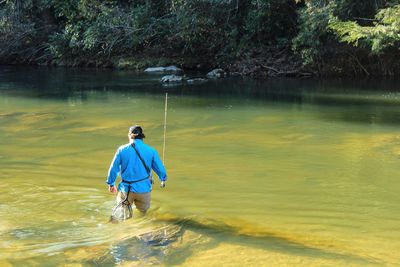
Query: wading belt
(132,182)
(129,190)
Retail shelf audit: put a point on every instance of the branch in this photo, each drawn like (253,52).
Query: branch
(271,68)
(367,19)
(291,73)
(358,62)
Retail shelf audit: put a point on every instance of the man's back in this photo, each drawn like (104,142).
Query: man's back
(127,161)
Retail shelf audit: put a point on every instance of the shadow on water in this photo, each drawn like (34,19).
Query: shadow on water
(364,116)
(265,241)
(181,238)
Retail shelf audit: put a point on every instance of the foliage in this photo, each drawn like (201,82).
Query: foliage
(199,27)
(385,33)
(352,21)
(270,21)
(313,21)
(17,34)
(48,31)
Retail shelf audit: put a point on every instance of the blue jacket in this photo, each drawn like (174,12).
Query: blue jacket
(127,162)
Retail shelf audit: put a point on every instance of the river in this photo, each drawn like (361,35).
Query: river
(261,173)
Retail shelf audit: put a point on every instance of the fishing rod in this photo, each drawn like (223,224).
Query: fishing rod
(165,126)
(165,133)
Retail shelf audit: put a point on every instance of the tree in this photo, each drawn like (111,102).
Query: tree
(384,34)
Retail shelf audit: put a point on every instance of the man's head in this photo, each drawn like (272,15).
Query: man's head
(136,132)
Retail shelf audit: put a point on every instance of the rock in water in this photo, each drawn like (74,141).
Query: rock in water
(196,81)
(216,74)
(171,79)
(149,248)
(174,69)
(162,236)
(169,69)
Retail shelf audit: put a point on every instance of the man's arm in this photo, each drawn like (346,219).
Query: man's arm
(159,168)
(114,170)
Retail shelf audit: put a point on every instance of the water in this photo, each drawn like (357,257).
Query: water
(261,173)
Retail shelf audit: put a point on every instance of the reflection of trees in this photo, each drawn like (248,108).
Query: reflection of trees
(367,113)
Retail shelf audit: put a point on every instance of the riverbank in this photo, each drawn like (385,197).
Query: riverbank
(258,63)
(340,62)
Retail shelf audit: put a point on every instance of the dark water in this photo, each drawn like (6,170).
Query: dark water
(261,173)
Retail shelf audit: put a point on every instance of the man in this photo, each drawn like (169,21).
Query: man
(135,161)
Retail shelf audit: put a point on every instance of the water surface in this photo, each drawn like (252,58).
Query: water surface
(261,173)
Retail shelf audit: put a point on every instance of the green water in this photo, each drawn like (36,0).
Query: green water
(261,173)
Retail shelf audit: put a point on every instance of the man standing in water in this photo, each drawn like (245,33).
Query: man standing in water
(135,161)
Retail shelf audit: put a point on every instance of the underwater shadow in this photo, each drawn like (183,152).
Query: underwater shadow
(180,238)
(265,241)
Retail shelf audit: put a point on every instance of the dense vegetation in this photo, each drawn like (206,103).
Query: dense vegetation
(345,37)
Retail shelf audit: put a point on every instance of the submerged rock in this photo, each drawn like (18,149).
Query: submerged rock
(169,69)
(149,248)
(172,79)
(216,74)
(163,236)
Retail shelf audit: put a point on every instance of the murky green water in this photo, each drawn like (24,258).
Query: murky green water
(267,173)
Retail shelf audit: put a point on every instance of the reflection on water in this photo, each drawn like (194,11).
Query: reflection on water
(262,173)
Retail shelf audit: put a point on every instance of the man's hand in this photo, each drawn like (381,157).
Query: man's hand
(162,185)
(112,188)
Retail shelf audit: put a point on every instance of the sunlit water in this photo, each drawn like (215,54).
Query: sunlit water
(267,173)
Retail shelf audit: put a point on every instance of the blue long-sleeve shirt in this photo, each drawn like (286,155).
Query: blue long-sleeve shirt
(127,162)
